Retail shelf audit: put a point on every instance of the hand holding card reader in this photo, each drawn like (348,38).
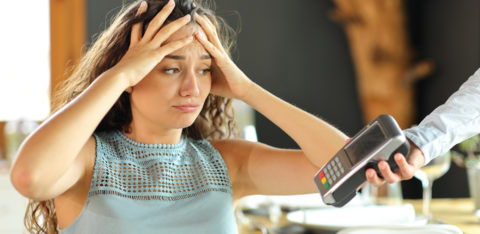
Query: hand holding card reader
(340,178)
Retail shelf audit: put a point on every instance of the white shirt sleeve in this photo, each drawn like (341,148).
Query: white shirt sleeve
(451,123)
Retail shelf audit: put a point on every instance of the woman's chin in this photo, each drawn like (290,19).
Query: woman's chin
(183,124)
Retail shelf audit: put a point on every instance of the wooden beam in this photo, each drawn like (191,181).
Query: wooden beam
(381,52)
(68,36)
(3,151)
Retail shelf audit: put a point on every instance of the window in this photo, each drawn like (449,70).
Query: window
(25,60)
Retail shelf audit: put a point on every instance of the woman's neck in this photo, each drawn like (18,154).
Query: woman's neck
(156,135)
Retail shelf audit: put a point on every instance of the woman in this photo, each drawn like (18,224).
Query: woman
(142,141)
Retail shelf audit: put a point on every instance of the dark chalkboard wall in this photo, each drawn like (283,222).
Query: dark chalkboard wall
(294,50)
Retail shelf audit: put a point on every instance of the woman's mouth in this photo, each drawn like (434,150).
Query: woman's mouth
(186,108)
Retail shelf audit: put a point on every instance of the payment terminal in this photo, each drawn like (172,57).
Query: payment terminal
(340,178)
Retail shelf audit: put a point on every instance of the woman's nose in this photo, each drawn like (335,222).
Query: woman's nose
(189,85)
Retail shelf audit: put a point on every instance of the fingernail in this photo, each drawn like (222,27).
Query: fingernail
(398,157)
(198,35)
(382,166)
(143,6)
(171,3)
(186,18)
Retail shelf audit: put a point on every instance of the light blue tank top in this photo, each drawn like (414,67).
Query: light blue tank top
(144,188)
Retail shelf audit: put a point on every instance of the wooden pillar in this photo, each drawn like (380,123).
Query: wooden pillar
(68,36)
(3,152)
(379,44)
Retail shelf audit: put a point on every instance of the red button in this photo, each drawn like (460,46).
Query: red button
(321,175)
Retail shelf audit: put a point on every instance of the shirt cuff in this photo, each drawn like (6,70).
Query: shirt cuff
(424,137)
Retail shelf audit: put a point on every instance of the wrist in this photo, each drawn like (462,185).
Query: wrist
(249,88)
(120,79)
(416,155)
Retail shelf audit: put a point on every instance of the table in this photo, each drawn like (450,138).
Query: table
(454,211)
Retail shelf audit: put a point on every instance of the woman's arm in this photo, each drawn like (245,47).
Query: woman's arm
(314,136)
(51,160)
(255,167)
(53,148)
(318,140)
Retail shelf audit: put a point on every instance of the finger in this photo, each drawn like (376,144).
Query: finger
(405,170)
(372,177)
(387,173)
(143,6)
(204,22)
(211,49)
(136,33)
(173,46)
(169,29)
(209,29)
(158,20)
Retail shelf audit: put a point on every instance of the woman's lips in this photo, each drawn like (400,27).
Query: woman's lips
(187,108)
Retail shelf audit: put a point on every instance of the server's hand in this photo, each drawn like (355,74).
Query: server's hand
(406,168)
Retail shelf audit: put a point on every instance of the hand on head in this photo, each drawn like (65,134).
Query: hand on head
(146,51)
(228,80)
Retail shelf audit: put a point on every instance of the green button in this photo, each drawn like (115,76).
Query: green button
(326,185)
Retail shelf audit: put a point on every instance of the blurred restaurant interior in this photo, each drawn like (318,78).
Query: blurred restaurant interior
(311,53)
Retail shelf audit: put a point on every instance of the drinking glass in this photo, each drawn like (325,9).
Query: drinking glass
(386,194)
(427,174)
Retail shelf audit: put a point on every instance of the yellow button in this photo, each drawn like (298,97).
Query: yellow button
(324,180)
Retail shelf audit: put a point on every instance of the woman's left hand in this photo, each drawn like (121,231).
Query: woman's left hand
(227,79)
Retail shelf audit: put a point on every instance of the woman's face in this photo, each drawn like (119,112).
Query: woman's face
(172,95)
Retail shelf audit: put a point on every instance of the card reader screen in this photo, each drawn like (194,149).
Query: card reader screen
(372,138)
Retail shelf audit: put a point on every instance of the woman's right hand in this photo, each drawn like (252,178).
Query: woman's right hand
(146,51)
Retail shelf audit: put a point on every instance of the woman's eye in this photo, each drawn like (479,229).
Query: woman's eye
(205,71)
(171,71)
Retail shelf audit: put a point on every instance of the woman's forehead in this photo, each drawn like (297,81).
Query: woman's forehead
(184,32)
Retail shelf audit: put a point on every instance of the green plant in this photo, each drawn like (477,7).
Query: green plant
(467,152)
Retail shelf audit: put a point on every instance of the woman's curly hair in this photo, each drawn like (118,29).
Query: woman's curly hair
(216,120)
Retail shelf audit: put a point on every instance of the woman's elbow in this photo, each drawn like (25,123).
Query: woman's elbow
(23,180)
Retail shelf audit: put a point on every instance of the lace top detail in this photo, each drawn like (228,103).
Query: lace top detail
(156,188)
(158,172)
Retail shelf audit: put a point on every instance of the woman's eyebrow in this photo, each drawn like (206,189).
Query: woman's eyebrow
(176,57)
(181,57)
(206,56)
